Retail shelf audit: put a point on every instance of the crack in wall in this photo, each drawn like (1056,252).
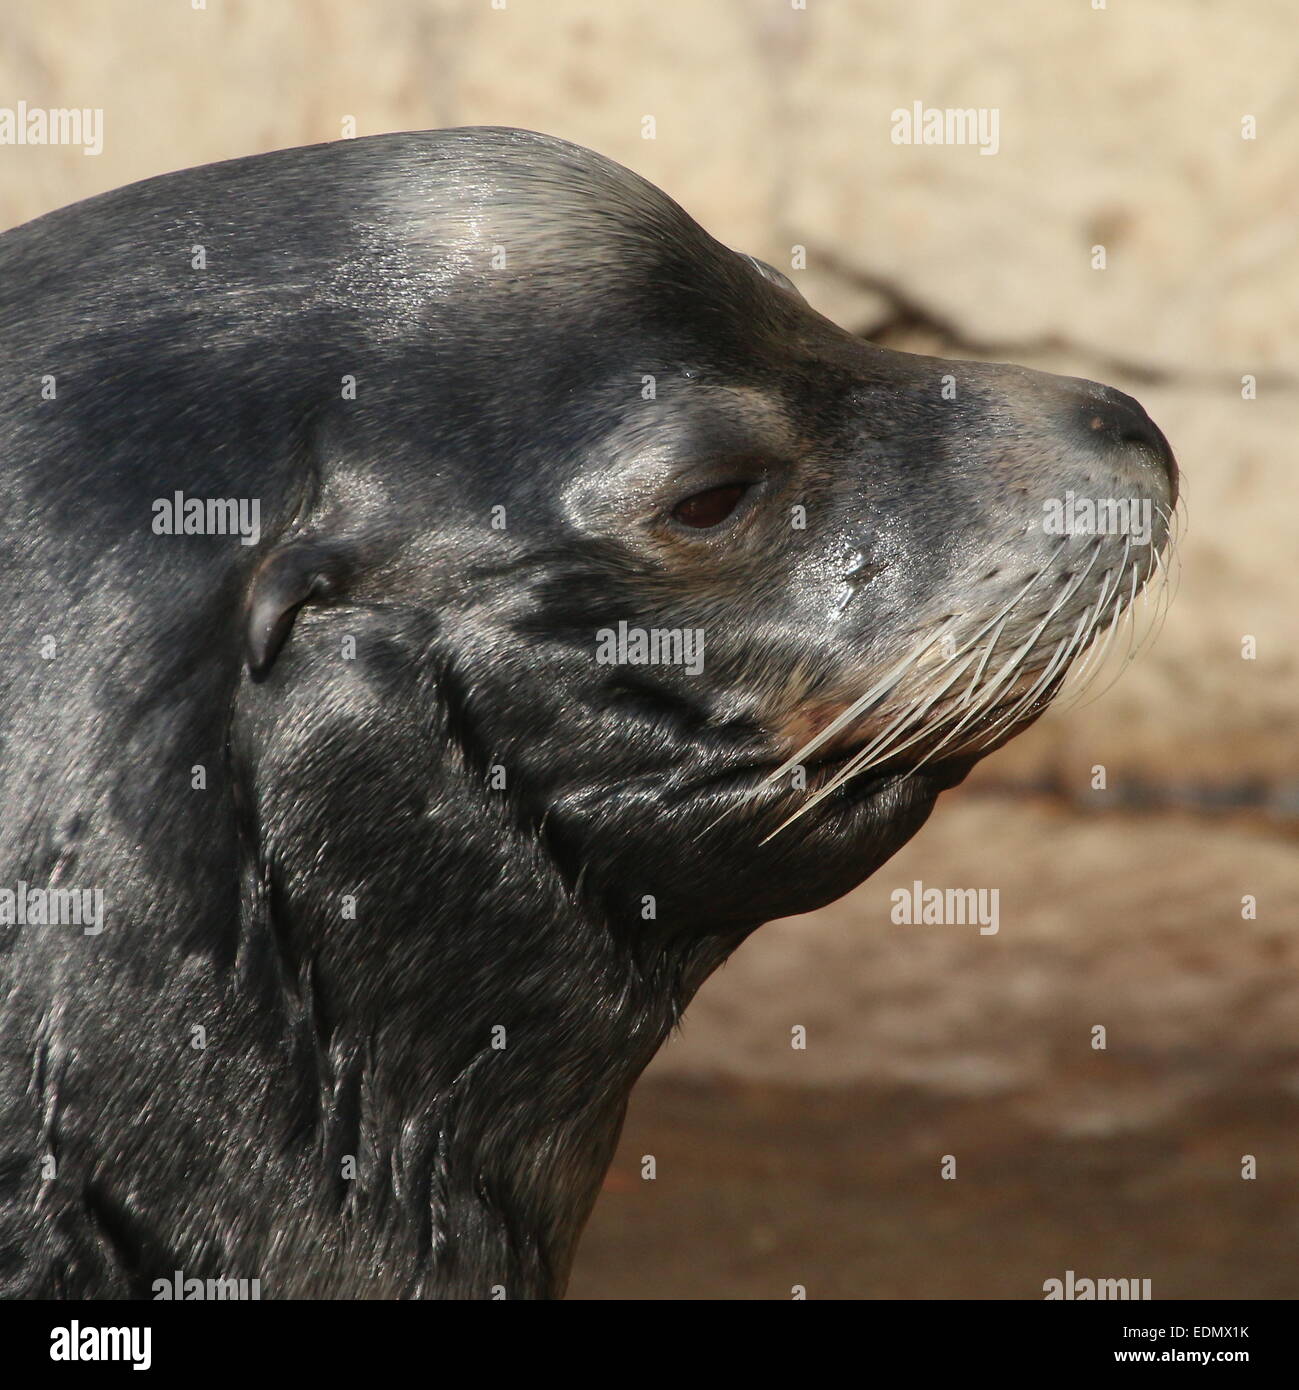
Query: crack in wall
(907,315)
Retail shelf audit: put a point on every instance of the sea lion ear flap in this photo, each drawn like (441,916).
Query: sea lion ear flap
(283,582)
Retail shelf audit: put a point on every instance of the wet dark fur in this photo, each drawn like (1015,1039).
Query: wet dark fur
(477,907)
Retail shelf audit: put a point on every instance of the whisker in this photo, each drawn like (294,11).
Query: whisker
(889,681)
(883,687)
(1092,638)
(874,754)
(1064,653)
(1081,676)
(979,670)
(1119,610)
(859,760)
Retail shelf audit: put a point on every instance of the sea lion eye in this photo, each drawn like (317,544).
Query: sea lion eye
(710,508)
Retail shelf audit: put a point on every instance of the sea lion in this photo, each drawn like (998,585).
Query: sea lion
(451,601)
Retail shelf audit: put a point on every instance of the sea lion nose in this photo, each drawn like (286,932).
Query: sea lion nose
(1115,421)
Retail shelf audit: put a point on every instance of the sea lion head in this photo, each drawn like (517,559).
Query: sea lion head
(720,593)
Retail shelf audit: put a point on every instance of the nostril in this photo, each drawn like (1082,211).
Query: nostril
(1120,418)
(1115,419)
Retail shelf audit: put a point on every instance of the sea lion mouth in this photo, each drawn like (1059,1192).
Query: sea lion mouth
(968,686)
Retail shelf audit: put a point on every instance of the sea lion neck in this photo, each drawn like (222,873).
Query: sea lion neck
(484,1159)
(473,1054)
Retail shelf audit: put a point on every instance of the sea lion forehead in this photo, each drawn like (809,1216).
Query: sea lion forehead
(533,203)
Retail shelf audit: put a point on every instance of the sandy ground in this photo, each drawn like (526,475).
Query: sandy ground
(762,1188)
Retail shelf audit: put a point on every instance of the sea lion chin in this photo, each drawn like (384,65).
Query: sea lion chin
(605,602)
